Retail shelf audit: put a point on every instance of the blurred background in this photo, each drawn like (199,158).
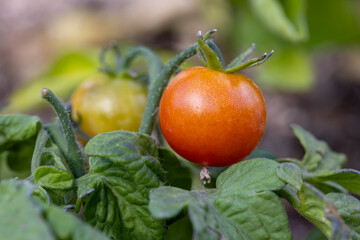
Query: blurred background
(313,79)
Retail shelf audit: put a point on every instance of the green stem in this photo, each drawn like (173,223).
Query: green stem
(157,87)
(105,67)
(73,154)
(154,61)
(196,182)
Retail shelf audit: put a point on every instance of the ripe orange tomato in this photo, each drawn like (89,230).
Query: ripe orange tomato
(107,104)
(212,118)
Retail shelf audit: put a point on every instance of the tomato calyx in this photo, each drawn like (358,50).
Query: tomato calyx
(119,68)
(212,58)
(111,71)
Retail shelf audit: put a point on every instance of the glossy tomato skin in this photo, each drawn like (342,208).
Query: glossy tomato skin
(106,104)
(212,118)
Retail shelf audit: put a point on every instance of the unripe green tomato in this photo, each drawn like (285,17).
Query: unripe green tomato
(105,104)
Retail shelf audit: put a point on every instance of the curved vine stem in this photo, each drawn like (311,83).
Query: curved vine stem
(73,154)
(105,67)
(154,61)
(158,84)
(157,87)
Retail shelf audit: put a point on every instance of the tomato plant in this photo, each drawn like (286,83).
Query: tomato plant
(128,186)
(105,104)
(212,118)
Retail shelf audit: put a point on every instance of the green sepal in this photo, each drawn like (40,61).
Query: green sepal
(105,66)
(212,60)
(217,51)
(241,58)
(250,63)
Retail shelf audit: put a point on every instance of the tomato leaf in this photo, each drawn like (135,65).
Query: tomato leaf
(237,216)
(17,140)
(166,202)
(348,208)
(262,214)
(291,174)
(17,128)
(53,178)
(328,187)
(347,178)
(253,175)
(67,226)
(180,230)
(54,185)
(177,173)
(241,208)
(18,216)
(23,217)
(309,204)
(47,153)
(338,231)
(318,156)
(208,223)
(123,169)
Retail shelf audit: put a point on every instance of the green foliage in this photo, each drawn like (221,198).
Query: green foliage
(53,178)
(135,189)
(318,156)
(123,169)
(17,140)
(23,217)
(295,29)
(347,178)
(321,167)
(123,193)
(291,174)
(46,152)
(178,171)
(243,207)
(287,20)
(348,208)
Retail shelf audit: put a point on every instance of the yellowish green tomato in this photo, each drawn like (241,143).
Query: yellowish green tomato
(105,104)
